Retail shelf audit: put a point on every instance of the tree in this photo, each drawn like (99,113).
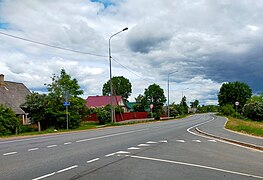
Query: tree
(49,110)
(194,104)
(184,106)
(139,107)
(154,94)
(8,121)
(253,111)
(36,105)
(121,87)
(232,92)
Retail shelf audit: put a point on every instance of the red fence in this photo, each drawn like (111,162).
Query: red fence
(121,117)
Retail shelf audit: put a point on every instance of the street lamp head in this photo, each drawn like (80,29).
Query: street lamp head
(125,29)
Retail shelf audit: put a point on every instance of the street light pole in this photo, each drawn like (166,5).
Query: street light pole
(168,96)
(111,88)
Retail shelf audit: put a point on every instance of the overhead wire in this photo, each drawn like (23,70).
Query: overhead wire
(49,45)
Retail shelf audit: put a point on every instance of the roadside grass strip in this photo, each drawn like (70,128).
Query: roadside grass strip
(194,165)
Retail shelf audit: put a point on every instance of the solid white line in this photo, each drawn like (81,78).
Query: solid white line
(54,145)
(66,143)
(66,169)
(111,135)
(195,165)
(92,160)
(33,149)
(42,177)
(188,130)
(10,153)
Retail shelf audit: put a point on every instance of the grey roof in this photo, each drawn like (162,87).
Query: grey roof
(13,94)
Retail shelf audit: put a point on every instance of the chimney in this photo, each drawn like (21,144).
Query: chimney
(2,79)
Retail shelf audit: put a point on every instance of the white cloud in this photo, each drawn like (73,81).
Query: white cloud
(208,42)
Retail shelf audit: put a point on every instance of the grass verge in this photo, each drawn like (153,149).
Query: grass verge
(245,126)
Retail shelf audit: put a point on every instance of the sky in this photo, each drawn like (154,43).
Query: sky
(198,44)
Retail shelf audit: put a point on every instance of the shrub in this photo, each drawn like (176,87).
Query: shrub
(8,121)
(227,110)
(253,111)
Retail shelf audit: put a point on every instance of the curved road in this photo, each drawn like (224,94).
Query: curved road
(160,150)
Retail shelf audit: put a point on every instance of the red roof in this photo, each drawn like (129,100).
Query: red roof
(101,101)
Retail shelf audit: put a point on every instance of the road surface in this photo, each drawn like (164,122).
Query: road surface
(160,150)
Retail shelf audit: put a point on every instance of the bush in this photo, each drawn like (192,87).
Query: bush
(227,110)
(103,115)
(8,121)
(253,111)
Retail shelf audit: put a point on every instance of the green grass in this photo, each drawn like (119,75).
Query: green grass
(245,126)
(83,126)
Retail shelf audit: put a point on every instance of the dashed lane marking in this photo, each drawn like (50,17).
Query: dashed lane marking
(133,148)
(212,140)
(93,160)
(66,143)
(151,142)
(60,171)
(51,146)
(9,153)
(143,145)
(180,140)
(163,141)
(198,141)
(33,149)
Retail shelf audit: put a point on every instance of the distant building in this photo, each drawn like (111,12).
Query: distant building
(12,95)
(102,101)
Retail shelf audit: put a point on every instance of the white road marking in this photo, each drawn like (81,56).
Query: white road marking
(143,145)
(51,174)
(179,140)
(66,143)
(122,152)
(188,130)
(9,153)
(195,165)
(212,140)
(151,142)
(133,148)
(42,177)
(33,149)
(93,160)
(51,146)
(108,155)
(163,141)
(196,141)
(66,169)
(111,135)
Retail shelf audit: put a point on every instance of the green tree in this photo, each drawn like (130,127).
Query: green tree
(8,121)
(194,104)
(256,98)
(64,88)
(36,105)
(139,107)
(232,92)
(49,110)
(121,87)
(184,106)
(253,111)
(154,94)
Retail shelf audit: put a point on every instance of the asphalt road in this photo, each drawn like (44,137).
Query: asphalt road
(161,150)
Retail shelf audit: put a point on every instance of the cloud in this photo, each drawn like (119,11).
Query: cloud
(207,42)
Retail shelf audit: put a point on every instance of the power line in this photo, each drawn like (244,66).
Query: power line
(49,45)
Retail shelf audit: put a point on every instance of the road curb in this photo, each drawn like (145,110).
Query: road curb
(260,148)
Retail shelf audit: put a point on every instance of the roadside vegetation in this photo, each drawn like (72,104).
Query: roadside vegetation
(245,126)
(244,111)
